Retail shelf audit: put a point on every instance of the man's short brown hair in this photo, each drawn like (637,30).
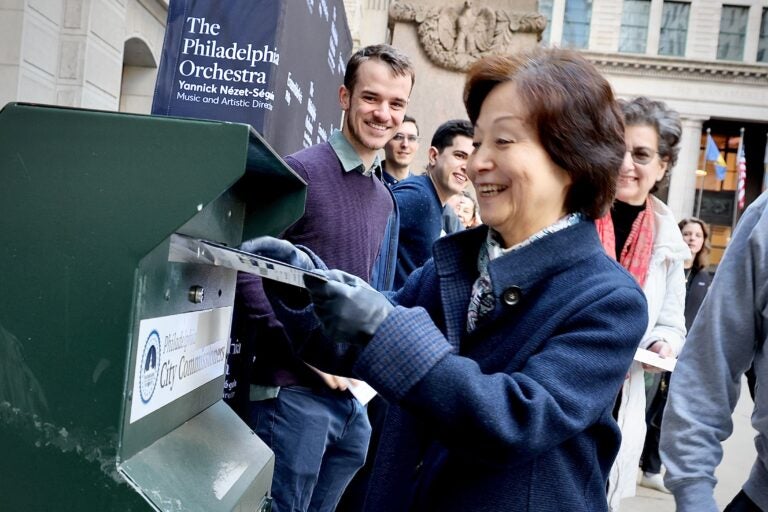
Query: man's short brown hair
(397,61)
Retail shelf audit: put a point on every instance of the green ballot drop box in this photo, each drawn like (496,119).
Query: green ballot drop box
(112,357)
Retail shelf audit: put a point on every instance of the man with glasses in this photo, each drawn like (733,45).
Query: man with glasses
(400,151)
(421,199)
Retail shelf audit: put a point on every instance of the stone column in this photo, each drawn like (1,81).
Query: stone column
(682,185)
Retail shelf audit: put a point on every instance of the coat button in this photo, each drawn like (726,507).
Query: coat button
(512,295)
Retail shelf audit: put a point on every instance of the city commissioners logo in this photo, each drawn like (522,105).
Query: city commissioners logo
(150,367)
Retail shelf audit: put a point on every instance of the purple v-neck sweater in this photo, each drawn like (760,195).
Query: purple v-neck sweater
(344,222)
(346,212)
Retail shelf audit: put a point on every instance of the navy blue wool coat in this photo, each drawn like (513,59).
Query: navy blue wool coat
(421,221)
(517,415)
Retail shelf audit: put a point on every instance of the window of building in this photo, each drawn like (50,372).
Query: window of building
(545,9)
(733,30)
(578,15)
(762,43)
(634,26)
(674,28)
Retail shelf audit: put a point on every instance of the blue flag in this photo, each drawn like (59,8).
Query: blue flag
(713,155)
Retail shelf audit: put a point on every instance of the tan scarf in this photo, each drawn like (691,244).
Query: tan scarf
(636,253)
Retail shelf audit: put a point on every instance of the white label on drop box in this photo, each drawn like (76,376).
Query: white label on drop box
(178,354)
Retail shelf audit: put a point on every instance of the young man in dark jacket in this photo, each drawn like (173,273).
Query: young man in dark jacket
(421,199)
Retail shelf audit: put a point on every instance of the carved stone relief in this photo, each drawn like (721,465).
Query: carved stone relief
(454,38)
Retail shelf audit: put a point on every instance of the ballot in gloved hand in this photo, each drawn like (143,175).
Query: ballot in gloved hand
(280,250)
(286,300)
(349,310)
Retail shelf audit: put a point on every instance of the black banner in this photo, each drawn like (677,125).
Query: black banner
(274,64)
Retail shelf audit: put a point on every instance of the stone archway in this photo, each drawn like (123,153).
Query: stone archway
(138,79)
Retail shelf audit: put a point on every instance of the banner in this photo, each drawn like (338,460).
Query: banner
(274,64)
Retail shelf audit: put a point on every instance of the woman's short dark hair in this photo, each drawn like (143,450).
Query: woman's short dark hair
(574,111)
(701,260)
(642,111)
(398,63)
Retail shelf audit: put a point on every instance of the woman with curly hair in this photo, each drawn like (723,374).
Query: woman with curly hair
(641,233)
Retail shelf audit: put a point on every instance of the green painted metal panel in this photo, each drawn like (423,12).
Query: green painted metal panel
(87,199)
(174,462)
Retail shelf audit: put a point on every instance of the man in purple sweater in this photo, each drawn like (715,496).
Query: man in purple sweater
(317,429)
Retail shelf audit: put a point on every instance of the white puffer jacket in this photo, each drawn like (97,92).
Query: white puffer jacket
(665,291)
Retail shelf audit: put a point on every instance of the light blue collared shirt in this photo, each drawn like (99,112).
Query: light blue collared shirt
(349,158)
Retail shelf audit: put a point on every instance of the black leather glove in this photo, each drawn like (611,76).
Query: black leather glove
(280,250)
(349,310)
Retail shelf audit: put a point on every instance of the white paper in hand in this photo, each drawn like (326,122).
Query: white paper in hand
(653,359)
(361,390)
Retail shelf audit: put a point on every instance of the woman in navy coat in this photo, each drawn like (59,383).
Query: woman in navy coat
(501,358)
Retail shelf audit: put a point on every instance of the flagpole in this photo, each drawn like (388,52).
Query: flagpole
(701,189)
(736,193)
(700,179)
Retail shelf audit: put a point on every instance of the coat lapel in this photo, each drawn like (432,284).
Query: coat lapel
(515,274)
(456,265)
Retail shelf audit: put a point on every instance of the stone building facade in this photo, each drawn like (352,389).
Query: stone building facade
(707,59)
(100,54)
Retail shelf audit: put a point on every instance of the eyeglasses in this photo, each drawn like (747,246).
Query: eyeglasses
(642,156)
(400,137)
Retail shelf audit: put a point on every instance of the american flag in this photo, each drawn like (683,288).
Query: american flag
(741,184)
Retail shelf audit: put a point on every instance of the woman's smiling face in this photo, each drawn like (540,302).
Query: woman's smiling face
(642,167)
(520,190)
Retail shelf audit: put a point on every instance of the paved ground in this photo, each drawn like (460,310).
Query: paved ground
(739,453)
